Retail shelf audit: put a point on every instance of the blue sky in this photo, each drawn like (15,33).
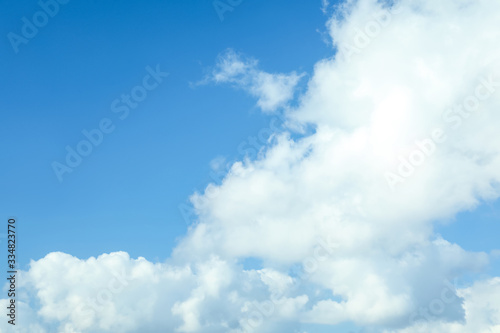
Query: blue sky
(345,121)
(64,80)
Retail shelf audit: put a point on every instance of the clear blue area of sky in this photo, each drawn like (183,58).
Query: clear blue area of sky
(125,195)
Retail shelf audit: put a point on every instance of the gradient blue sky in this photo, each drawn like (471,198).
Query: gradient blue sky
(125,196)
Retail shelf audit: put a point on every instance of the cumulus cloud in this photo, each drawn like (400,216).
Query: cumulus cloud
(404,129)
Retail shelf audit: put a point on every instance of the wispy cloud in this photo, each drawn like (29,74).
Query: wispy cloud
(271,90)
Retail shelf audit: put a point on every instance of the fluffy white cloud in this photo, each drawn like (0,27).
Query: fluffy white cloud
(271,90)
(404,121)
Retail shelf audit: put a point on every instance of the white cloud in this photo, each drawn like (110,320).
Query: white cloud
(321,204)
(271,90)
(482,309)
(325,4)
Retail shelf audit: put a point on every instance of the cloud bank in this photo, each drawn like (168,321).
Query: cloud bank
(404,120)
